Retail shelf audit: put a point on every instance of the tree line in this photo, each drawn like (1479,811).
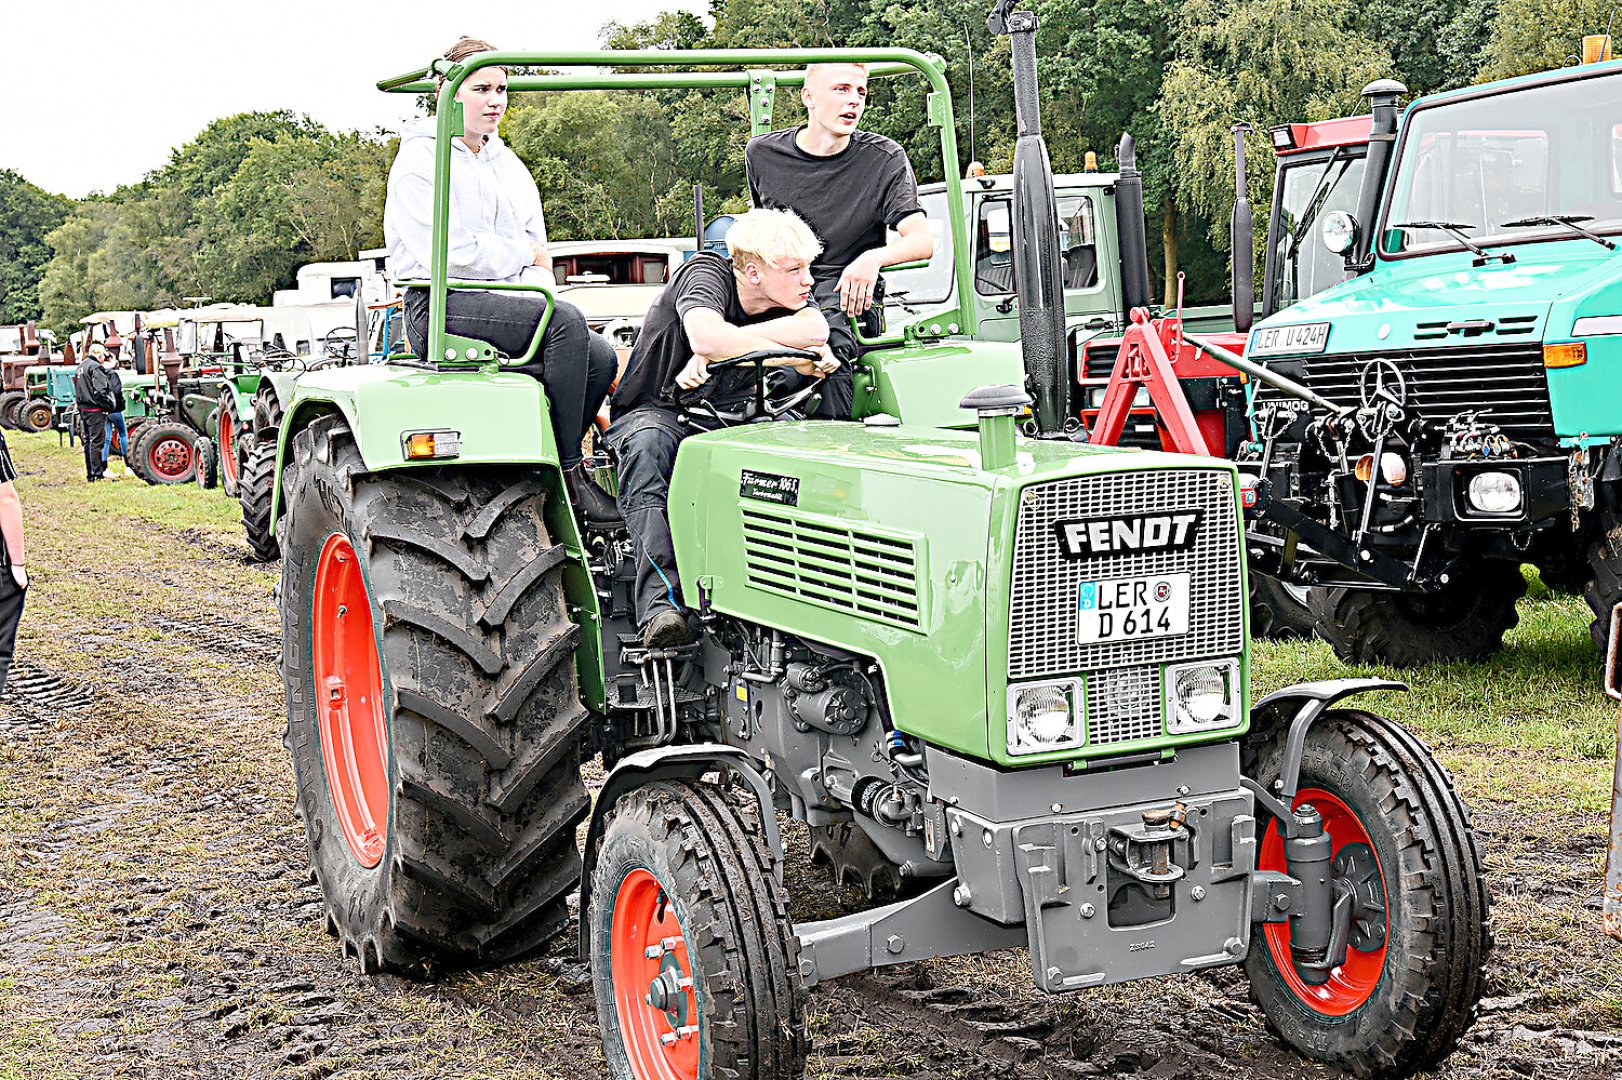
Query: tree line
(234,212)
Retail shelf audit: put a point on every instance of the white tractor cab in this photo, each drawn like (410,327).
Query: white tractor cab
(614,282)
(102,327)
(326,292)
(243,334)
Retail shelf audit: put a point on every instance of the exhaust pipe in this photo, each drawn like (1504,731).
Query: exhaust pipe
(1132,231)
(1037,274)
(1242,235)
(1382,95)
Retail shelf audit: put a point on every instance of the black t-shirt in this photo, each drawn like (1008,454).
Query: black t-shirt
(662,348)
(848,198)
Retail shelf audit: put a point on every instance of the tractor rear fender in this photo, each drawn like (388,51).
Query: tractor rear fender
(1310,700)
(672,763)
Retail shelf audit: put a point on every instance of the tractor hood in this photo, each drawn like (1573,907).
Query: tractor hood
(1436,300)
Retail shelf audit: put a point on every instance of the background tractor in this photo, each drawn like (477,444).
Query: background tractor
(1015,668)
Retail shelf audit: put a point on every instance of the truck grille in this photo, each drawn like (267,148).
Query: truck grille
(1043,613)
(1508,382)
(833,565)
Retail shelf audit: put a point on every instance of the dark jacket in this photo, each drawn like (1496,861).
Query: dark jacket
(94,387)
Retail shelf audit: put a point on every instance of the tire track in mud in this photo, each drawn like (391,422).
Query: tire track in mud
(35,696)
(225,637)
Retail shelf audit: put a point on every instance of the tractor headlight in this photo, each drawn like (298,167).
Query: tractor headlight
(1494,492)
(1202,697)
(1045,716)
(1339,231)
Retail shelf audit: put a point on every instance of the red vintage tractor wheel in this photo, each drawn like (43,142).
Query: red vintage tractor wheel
(1349,985)
(166,452)
(228,452)
(653,982)
(349,689)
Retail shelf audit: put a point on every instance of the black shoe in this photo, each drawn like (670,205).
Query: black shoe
(666,630)
(591,503)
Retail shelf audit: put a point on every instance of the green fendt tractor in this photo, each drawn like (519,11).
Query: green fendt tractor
(1470,362)
(1014,670)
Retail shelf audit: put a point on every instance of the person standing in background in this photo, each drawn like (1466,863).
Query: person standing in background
(116,427)
(13,574)
(93,395)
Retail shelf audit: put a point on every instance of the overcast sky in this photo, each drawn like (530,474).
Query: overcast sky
(102,90)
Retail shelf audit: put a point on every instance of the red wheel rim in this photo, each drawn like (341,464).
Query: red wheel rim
(169,457)
(650,967)
(228,449)
(349,701)
(1354,982)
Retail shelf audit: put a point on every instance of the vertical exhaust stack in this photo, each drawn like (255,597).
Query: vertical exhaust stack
(1242,236)
(1132,230)
(1037,273)
(1382,95)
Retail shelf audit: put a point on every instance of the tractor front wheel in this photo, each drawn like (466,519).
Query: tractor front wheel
(1403,847)
(208,465)
(37,415)
(255,487)
(1464,620)
(694,963)
(165,453)
(1278,609)
(433,722)
(10,403)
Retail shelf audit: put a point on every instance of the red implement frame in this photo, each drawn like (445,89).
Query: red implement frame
(1145,360)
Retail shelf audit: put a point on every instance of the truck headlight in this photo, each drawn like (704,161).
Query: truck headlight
(1202,697)
(1339,231)
(1045,716)
(1494,492)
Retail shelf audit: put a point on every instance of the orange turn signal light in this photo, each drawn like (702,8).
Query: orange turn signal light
(1566,354)
(425,445)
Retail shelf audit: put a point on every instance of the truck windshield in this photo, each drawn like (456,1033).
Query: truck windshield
(1308,190)
(1530,152)
(994,245)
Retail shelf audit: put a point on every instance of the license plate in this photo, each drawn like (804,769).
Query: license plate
(1282,340)
(1121,609)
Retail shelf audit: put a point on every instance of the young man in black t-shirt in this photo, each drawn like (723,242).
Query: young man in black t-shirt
(13,577)
(849,186)
(713,309)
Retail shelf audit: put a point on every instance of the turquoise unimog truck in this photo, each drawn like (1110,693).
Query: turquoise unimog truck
(1013,669)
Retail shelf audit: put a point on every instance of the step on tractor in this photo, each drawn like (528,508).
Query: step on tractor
(1012,670)
(1460,388)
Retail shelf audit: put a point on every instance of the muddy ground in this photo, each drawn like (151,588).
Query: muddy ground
(157,918)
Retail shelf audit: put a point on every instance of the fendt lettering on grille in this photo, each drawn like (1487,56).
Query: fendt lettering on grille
(1128,532)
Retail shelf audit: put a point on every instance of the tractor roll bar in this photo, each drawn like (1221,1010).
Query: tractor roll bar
(752,71)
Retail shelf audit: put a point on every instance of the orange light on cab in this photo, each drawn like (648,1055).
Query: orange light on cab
(1566,354)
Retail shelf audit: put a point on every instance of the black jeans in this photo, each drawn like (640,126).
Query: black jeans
(645,441)
(93,428)
(11,613)
(576,366)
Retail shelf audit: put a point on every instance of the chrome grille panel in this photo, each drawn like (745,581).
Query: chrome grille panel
(1042,615)
(1123,704)
(1507,381)
(835,565)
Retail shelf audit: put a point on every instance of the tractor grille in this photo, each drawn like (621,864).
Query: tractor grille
(1508,382)
(1122,705)
(1043,614)
(834,565)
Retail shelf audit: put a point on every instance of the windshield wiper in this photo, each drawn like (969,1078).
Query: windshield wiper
(1320,195)
(1456,231)
(1567,220)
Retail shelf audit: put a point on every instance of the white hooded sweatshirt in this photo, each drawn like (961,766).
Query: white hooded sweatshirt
(495,209)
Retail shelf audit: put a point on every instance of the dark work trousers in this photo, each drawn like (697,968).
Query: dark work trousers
(11,612)
(576,366)
(645,441)
(838,391)
(93,427)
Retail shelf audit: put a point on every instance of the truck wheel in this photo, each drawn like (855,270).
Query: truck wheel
(433,719)
(208,471)
(10,401)
(694,963)
(1604,591)
(230,429)
(165,453)
(255,487)
(1409,986)
(37,415)
(1279,610)
(1465,621)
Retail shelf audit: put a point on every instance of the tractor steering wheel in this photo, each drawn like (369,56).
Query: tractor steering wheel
(777,395)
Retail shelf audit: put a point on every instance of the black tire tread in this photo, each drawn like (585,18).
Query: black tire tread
(1366,626)
(255,486)
(207,472)
(151,433)
(36,416)
(1604,588)
(1275,613)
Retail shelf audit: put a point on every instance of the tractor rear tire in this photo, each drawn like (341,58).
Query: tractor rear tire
(1403,998)
(255,486)
(1604,589)
(433,721)
(680,867)
(164,454)
(37,415)
(1279,610)
(1466,621)
(208,465)
(10,402)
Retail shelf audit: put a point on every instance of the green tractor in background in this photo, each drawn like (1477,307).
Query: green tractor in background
(1013,670)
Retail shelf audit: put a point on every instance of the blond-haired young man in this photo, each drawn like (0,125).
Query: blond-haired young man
(714,308)
(849,186)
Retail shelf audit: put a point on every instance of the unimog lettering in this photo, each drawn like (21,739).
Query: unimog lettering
(1135,533)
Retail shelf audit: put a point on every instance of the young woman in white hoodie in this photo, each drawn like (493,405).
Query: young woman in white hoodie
(497,233)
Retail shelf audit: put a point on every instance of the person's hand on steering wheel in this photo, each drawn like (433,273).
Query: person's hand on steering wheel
(826,364)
